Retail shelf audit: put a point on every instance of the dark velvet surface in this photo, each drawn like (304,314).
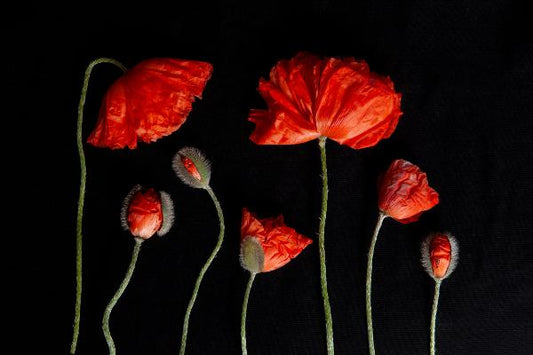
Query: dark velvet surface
(465,69)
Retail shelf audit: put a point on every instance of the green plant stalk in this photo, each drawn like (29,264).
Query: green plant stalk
(81,199)
(370,329)
(322,249)
(243,313)
(432,349)
(203,270)
(116,296)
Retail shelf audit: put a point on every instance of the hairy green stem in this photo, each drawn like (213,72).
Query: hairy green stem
(116,296)
(243,313)
(370,329)
(81,199)
(203,270)
(322,249)
(432,349)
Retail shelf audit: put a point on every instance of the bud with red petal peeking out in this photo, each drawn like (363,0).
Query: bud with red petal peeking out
(146,212)
(404,192)
(440,254)
(192,167)
(268,244)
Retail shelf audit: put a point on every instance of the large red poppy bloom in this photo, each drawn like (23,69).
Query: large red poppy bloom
(404,192)
(338,98)
(150,101)
(279,243)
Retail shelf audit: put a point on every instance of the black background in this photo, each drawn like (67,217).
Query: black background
(465,69)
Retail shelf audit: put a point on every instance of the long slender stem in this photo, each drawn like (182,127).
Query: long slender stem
(203,270)
(116,296)
(322,249)
(243,314)
(81,199)
(432,349)
(370,329)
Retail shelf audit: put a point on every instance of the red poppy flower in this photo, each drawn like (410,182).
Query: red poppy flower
(146,212)
(338,98)
(404,192)
(278,243)
(150,101)
(440,253)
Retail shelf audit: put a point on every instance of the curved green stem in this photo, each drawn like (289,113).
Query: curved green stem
(370,329)
(432,349)
(243,313)
(322,249)
(81,199)
(116,296)
(203,270)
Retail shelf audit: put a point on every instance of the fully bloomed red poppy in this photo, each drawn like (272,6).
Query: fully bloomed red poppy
(404,192)
(279,243)
(150,101)
(338,98)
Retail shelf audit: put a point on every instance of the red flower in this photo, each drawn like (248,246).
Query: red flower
(338,98)
(150,101)
(278,244)
(404,192)
(146,212)
(440,253)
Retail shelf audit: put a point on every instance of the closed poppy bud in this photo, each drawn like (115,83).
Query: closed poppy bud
(150,101)
(192,167)
(268,244)
(404,192)
(146,212)
(440,253)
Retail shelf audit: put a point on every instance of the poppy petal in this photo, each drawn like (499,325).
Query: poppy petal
(150,101)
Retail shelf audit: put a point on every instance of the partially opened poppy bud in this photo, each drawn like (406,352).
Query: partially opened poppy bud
(146,212)
(440,253)
(268,244)
(404,192)
(192,167)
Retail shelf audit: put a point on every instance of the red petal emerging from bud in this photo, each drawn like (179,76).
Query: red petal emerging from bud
(280,243)
(191,168)
(440,253)
(144,213)
(404,192)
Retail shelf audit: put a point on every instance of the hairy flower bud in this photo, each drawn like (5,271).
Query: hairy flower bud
(440,253)
(192,167)
(146,212)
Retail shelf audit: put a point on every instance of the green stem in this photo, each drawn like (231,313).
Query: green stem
(322,249)
(203,270)
(432,349)
(370,329)
(243,314)
(81,199)
(116,296)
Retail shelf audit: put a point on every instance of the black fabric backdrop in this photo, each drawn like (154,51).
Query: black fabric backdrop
(465,70)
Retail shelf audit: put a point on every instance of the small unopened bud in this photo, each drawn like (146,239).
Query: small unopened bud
(252,255)
(440,254)
(146,212)
(192,167)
